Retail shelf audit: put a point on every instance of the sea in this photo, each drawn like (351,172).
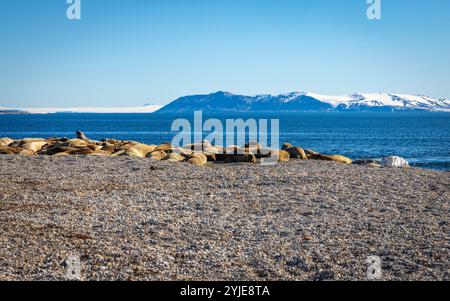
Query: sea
(421,138)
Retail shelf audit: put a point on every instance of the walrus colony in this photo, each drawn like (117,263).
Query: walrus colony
(195,154)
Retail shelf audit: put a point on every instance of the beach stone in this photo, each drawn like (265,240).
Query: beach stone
(5,142)
(394,161)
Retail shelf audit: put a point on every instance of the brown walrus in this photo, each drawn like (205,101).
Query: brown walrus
(198,159)
(174,157)
(157,155)
(164,147)
(35,146)
(336,158)
(27,153)
(10,150)
(6,142)
(59,149)
(296,152)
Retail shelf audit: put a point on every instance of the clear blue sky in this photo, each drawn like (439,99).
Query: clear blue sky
(132,52)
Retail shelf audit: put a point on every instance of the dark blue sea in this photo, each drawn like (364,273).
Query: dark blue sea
(422,138)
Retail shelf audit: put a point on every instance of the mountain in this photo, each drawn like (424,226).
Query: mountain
(305,102)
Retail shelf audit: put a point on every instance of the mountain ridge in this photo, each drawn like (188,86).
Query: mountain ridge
(223,101)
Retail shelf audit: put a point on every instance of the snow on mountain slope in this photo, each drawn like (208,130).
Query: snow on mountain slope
(304,101)
(385,100)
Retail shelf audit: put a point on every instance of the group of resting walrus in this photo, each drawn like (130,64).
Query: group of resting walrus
(196,154)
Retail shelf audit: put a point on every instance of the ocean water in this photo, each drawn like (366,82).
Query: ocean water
(422,138)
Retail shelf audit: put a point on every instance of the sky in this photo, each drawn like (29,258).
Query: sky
(134,52)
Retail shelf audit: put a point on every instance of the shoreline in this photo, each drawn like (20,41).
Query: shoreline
(136,219)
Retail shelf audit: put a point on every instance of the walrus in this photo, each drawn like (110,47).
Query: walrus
(10,150)
(157,155)
(82,136)
(59,149)
(198,159)
(264,152)
(82,151)
(62,154)
(335,158)
(6,142)
(109,148)
(134,152)
(164,147)
(283,156)
(118,153)
(27,153)
(34,146)
(144,148)
(174,157)
(126,146)
(296,152)
(210,156)
(239,158)
(181,151)
(214,150)
(78,143)
(286,146)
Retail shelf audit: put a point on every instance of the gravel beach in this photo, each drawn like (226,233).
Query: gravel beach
(136,219)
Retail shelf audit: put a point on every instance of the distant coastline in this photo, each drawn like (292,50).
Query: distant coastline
(225,102)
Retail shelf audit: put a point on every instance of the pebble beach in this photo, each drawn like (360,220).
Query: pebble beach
(133,218)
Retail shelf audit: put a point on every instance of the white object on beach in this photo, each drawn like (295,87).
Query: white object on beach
(394,162)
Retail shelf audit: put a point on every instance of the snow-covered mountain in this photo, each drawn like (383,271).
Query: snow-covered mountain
(304,101)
